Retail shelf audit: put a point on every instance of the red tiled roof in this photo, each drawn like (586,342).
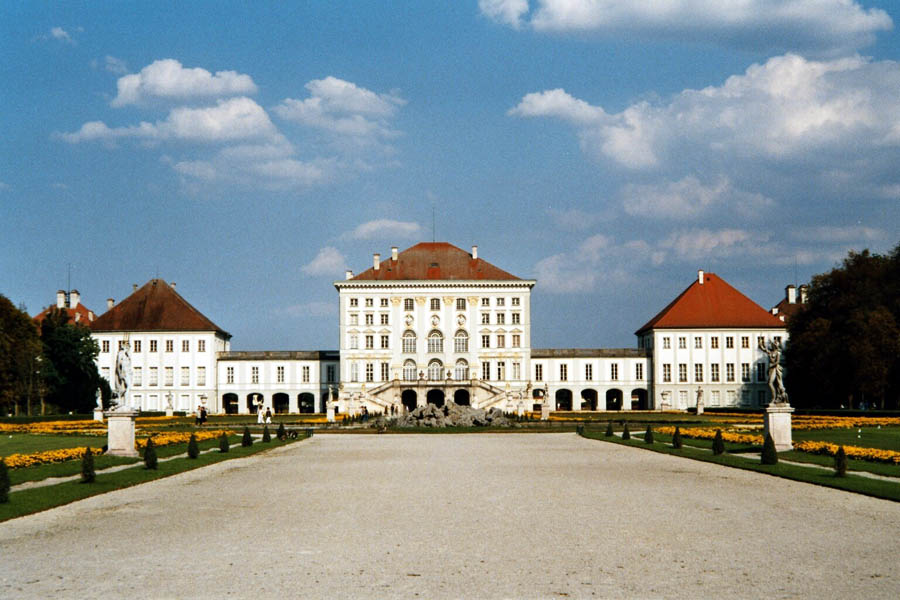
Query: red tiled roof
(80,315)
(787,310)
(434,260)
(154,307)
(711,304)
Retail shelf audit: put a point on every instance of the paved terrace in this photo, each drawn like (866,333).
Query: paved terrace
(481,515)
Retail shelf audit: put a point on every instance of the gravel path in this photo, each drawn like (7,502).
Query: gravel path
(482,515)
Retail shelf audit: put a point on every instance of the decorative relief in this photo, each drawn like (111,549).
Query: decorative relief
(448,300)
(473,300)
(461,319)
(420,300)
(435,320)
(396,300)
(409,320)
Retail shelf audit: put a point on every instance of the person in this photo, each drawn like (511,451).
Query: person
(197,420)
(259,414)
(202,415)
(268,415)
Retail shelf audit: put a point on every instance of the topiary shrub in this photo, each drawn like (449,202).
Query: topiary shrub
(609,430)
(626,435)
(676,438)
(718,445)
(266,436)
(4,482)
(193,447)
(150,460)
(88,475)
(769,455)
(281,433)
(223,442)
(247,440)
(579,429)
(840,463)
(648,435)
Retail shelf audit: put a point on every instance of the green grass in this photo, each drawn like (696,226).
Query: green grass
(888,490)
(27,443)
(34,500)
(886,438)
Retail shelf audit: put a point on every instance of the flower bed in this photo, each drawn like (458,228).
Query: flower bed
(18,461)
(80,427)
(709,434)
(181,437)
(869,454)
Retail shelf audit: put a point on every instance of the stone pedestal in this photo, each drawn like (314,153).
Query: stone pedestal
(329,413)
(98,414)
(545,411)
(170,412)
(777,423)
(120,432)
(700,407)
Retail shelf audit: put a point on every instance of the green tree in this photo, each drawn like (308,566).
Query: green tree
(769,454)
(676,438)
(193,449)
(718,445)
(840,463)
(71,373)
(247,439)
(4,482)
(21,372)
(88,475)
(150,459)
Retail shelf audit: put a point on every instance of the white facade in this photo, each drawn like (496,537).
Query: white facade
(593,379)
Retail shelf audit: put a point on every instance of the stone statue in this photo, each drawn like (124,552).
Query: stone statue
(776,384)
(99,399)
(122,380)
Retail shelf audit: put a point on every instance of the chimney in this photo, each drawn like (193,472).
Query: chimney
(474,252)
(376,261)
(133,288)
(804,289)
(110,303)
(700,276)
(91,315)
(173,285)
(348,274)
(393,252)
(60,299)
(74,298)
(790,293)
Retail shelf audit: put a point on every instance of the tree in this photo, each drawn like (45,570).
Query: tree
(769,454)
(840,463)
(247,439)
(4,482)
(88,475)
(844,347)
(193,449)
(676,438)
(71,372)
(718,445)
(21,380)
(150,459)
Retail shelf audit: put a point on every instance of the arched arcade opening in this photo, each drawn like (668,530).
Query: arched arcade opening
(614,399)
(564,399)
(588,399)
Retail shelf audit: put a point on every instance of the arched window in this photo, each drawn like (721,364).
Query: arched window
(461,373)
(461,341)
(409,342)
(435,370)
(409,370)
(435,341)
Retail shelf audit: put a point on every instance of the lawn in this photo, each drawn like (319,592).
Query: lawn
(885,438)
(27,443)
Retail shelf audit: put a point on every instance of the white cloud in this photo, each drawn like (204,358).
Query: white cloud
(689,198)
(384,228)
(838,234)
(700,244)
(826,26)
(115,65)
(574,219)
(329,261)
(168,79)
(58,33)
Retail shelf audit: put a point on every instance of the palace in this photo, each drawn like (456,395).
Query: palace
(435,323)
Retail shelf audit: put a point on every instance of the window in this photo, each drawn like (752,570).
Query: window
(639,371)
(667,343)
(185,345)
(563,372)
(154,376)
(682,342)
(732,397)
(515,301)
(121,344)
(729,372)
(229,375)
(485,318)
(105,345)
(501,301)
(517,340)
(716,397)
(777,339)
(667,373)
(185,376)
(137,345)
(370,342)
(354,319)
(383,303)
(761,397)
(501,370)
(698,373)
(729,342)
(138,376)
(254,375)
(461,304)
(354,341)
(485,341)
(501,319)
(201,375)
(517,370)
(698,343)
(170,345)
(385,371)
(304,373)
(170,375)
(354,302)
(588,372)
(486,370)
(385,342)
(409,342)
(538,372)
(745,396)
(152,345)
(461,372)
(435,342)
(714,373)
(409,371)
(370,372)
(435,370)
(760,341)
(461,342)
(354,371)
(279,374)
(384,318)
(714,342)
(682,398)
(516,318)
(501,341)
(485,301)
(369,302)
(201,345)
(745,372)
(330,373)
(682,372)
(614,372)
(435,304)
(370,319)
(408,304)
(760,371)
(745,341)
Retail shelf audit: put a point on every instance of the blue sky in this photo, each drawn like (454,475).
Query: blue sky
(251,152)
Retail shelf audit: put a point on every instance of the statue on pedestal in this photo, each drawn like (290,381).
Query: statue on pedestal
(122,379)
(776,371)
